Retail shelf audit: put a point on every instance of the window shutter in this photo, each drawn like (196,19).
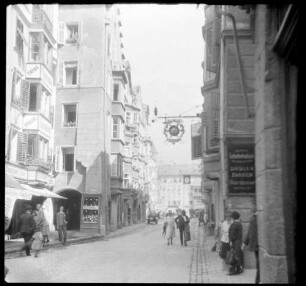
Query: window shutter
(58,159)
(25,92)
(51,116)
(22,147)
(13,84)
(61,33)
(60,75)
(38,97)
(209,49)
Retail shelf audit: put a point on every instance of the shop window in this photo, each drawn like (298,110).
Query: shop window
(69,115)
(90,210)
(115,92)
(71,73)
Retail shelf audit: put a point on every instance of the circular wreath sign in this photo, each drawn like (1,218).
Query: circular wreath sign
(174,130)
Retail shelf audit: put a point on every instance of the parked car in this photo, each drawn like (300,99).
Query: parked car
(152,218)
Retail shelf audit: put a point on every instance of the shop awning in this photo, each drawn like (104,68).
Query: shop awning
(42,192)
(15,190)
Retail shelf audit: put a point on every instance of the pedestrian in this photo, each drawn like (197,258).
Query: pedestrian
(26,228)
(194,222)
(225,246)
(201,218)
(251,240)
(170,228)
(37,239)
(235,238)
(205,220)
(45,227)
(61,225)
(39,217)
(182,222)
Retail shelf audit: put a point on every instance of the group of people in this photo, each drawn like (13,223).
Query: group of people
(34,228)
(183,223)
(232,243)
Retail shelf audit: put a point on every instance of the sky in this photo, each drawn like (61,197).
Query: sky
(165,48)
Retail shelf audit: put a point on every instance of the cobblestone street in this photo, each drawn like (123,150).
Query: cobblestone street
(139,257)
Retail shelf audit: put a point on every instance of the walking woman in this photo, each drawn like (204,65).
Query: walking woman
(225,246)
(235,237)
(170,229)
(45,228)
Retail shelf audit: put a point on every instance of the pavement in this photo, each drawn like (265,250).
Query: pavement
(13,246)
(136,255)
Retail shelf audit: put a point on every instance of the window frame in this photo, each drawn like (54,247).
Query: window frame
(63,114)
(21,34)
(59,165)
(77,73)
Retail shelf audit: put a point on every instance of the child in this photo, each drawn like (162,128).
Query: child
(37,241)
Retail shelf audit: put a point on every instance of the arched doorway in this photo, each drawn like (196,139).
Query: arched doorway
(72,208)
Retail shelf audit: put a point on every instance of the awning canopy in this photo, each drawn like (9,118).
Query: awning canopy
(14,190)
(42,192)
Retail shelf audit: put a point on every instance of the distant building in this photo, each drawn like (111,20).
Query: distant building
(180,187)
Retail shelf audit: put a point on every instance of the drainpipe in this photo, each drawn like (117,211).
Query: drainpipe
(239,61)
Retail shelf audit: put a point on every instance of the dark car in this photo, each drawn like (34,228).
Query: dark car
(152,218)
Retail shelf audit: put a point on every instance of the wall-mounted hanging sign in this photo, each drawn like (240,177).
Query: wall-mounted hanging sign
(174,130)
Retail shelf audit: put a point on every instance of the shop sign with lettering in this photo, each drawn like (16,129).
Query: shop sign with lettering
(241,168)
(33,70)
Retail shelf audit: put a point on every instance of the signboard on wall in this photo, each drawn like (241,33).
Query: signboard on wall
(241,168)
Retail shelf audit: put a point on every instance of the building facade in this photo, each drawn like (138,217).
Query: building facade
(180,187)
(250,92)
(31,53)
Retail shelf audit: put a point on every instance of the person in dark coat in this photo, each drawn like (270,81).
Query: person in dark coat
(251,240)
(27,227)
(182,222)
(235,237)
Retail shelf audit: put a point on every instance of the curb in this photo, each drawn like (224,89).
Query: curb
(78,240)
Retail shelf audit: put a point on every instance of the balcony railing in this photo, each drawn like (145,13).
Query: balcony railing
(39,16)
(30,161)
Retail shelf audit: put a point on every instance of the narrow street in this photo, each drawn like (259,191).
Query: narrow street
(139,257)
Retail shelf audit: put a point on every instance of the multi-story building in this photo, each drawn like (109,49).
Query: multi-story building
(250,89)
(31,53)
(180,187)
(83,116)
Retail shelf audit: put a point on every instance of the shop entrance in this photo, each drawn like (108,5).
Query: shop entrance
(72,208)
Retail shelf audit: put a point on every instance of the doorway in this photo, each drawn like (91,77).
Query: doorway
(72,208)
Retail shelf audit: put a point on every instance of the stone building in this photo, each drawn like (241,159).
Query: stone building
(31,53)
(180,187)
(250,93)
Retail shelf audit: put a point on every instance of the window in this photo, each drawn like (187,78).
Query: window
(71,73)
(45,103)
(128,117)
(115,92)
(16,97)
(32,146)
(33,106)
(72,33)
(117,130)
(65,160)
(128,151)
(117,165)
(35,47)
(19,37)
(135,117)
(70,115)
(135,139)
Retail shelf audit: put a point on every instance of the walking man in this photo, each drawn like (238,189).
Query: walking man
(61,225)
(27,227)
(182,222)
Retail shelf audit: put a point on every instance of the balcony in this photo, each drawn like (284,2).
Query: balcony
(39,16)
(37,162)
(40,72)
(36,121)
